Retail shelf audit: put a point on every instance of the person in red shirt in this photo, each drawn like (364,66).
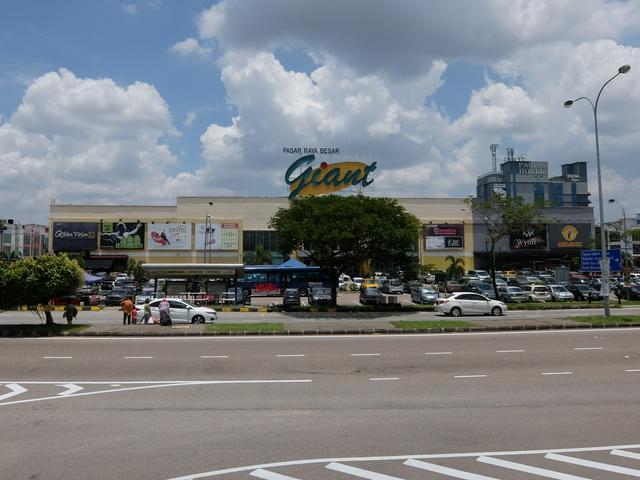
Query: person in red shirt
(127,307)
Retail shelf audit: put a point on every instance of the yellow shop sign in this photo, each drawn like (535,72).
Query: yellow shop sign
(326,178)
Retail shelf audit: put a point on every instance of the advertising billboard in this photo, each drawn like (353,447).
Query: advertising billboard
(74,236)
(444,237)
(169,236)
(122,236)
(531,239)
(569,235)
(223,236)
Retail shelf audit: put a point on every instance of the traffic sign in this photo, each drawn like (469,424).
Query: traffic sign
(590,260)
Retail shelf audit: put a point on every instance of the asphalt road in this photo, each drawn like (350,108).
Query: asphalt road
(366,406)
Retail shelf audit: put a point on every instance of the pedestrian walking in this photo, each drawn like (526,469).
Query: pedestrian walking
(147,312)
(127,307)
(165,312)
(70,312)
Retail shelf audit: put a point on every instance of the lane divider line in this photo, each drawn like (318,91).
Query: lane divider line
(365,354)
(137,358)
(556,373)
(382,379)
(214,356)
(469,376)
(291,355)
(509,351)
(49,358)
(438,353)
(589,348)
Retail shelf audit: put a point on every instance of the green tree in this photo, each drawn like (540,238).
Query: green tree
(504,216)
(261,256)
(134,269)
(35,281)
(11,256)
(455,268)
(341,233)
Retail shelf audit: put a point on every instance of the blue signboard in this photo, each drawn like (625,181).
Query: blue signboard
(590,260)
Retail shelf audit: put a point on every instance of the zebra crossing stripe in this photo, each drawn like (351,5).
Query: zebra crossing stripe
(541,472)
(451,472)
(623,453)
(360,472)
(267,475)
(632,472)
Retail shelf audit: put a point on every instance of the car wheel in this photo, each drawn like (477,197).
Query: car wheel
(496,311)
(197,319)
(456,312)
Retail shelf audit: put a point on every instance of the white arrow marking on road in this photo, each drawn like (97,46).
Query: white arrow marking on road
(71,388)
(15,390)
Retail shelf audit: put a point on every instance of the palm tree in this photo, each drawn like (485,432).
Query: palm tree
(10,256)
(456,267)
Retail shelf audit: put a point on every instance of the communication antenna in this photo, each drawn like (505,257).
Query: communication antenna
(494,148)
(510,153)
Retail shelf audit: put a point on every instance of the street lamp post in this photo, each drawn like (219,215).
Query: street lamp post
(604,265)
(624,231)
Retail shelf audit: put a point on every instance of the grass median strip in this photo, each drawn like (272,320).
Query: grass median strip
(432,325)
(602,320)
(245,327)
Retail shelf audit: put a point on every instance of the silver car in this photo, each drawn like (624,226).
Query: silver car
(468,303)
(560,294)
(183,311)
(537,293)
(424,295)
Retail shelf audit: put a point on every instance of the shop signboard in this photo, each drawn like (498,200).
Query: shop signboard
(122,236)
(74,236)
(223,236)
(530,239)
(169,236)
(569,235)
(444,237)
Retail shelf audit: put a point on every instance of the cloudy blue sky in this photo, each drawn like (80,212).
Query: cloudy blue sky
(139,101)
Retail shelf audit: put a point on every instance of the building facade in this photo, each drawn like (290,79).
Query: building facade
(23,240)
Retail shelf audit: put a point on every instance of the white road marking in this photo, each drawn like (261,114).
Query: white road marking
(291,355)
(451,472)
(365,354)
(469,376)
(359,472)
(214,356)
(137,358)
(596,465)
(556,373)
(15,390)
(622,453)
(438,353)
(589,348)
(380,379)
(71,388)
(633,370)
(266,475)
(542,472)
(509,351)
(315,461)
(56,357)
(143,386)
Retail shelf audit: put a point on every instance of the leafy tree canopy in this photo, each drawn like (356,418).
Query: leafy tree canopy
(35,281)
(340,233)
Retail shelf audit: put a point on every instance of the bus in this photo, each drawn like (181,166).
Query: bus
(271,280)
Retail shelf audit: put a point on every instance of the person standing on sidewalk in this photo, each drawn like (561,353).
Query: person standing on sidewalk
(165,312)
(147,312)
(127,307)
(70,312)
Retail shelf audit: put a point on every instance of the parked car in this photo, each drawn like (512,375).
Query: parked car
(117,295)
(559,293)
(511,294)
(509,274)
(407,287)
(370,283)
(480,274)
(357,283)
(537,293)
(631,292)
(451,286)
(481,288)
(183,311)
(320,296)
(463,303)
(499,282)
(291,296)
(370,296)
(582,291)
(424,295)
(392,286)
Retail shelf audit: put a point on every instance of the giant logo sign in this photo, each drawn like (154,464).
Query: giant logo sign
(326,178)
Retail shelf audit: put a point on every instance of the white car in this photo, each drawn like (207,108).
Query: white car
(537,293)
(357,282)
(469,303)
(560,294)
(182,311)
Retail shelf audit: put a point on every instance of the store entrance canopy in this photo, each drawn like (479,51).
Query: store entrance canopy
(181,270)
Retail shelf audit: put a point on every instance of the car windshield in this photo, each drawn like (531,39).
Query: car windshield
(428,290)
(514,290)
(321,291)
(559,288)
(582,287)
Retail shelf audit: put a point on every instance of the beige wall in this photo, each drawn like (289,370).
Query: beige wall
(252,213)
